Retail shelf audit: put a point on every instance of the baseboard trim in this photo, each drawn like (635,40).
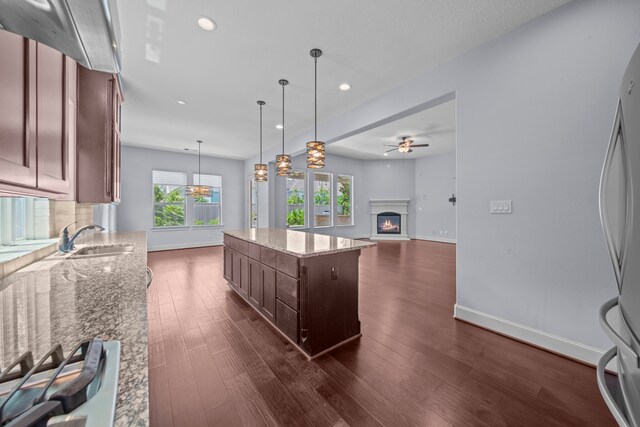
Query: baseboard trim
(553,343)
(435,239)
(158,248)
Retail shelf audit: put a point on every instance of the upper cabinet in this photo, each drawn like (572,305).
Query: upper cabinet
(59,125)
(53,144)
(98,139)
(36,123)
(17,111)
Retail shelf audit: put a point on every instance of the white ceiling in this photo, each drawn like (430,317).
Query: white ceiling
(434,126)
(372,44)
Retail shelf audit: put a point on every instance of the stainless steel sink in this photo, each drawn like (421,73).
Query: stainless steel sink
(103,251)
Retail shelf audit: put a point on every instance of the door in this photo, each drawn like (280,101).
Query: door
(18,110)
(255,283)
(52,154)
(268,303)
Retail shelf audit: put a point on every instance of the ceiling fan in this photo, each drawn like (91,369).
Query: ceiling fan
(405,146)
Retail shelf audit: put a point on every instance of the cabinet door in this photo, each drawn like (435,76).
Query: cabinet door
(228,264)
(243,285)
(268,303)
(53,163)
(113,153)
(235,270)
(17,110)
(255,283)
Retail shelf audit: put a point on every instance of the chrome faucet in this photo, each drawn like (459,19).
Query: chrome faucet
(66,243)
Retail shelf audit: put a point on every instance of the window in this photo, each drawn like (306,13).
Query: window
(344,211)
(296,185)
(253,203)
(208,210)
(168,199)
(23,219)
(322,200)
(19,218)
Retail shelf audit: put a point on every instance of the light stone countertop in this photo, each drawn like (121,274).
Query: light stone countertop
(298,243)
(66,300)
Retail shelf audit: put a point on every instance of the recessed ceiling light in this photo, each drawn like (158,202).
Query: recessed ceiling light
(206,23)
(345,86)
(386,154)
(279,126)
(181,102)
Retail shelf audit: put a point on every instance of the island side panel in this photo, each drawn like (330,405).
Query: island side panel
(328,300)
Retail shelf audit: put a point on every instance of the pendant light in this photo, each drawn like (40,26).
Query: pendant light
(315,148)
(283,161)
(199,190)
(261,169)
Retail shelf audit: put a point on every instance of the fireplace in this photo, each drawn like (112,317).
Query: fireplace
(388,223)
(389,219)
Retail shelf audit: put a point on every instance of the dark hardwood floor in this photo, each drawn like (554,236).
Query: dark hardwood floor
(213,361)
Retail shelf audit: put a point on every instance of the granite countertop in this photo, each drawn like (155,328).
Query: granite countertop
(65,300)
(298,243)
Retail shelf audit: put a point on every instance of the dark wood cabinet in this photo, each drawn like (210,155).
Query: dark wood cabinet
(255,283)
(312,300)
(17,110)
(53,150)
(98,139)
(268,302)
(37,120)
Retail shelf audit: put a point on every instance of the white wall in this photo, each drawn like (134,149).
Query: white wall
(135,211)
(534,112)
(435,216)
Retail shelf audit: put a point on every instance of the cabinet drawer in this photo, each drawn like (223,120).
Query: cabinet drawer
(287,290)
(268,257)
(287,320)
(254,251)
(242,246)
(288,264)
(228,241)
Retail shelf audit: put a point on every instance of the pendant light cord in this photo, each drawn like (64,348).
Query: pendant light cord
(315,99)
(260,134)
(283,119)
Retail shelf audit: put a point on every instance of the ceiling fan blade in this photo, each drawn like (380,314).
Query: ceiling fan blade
(390,146)
(410,151)
(420,145)
(393,149)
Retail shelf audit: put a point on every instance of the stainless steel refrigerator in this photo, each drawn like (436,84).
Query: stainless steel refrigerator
(620,216)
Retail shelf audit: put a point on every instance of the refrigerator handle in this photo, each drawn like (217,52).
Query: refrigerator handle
(613,335)
(617,258)
(618,414)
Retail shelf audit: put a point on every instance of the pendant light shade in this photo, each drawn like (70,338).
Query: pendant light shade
(260,169)
(315,148)
(283,161)
(199,190)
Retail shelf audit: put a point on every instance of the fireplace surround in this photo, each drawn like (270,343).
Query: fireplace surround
(389,219)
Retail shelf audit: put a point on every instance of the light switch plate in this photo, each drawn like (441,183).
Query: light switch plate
(500,207)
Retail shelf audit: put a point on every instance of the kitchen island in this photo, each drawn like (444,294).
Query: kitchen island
(305,284)
(65,300)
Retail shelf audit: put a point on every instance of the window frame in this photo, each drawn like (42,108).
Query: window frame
(153,203)
(351,214)
(304,205)
(330,187)
(194,204)
(253,185)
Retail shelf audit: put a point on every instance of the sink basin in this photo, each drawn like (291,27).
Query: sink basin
(103,251)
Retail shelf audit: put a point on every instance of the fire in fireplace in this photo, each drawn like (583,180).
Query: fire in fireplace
(388,223)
